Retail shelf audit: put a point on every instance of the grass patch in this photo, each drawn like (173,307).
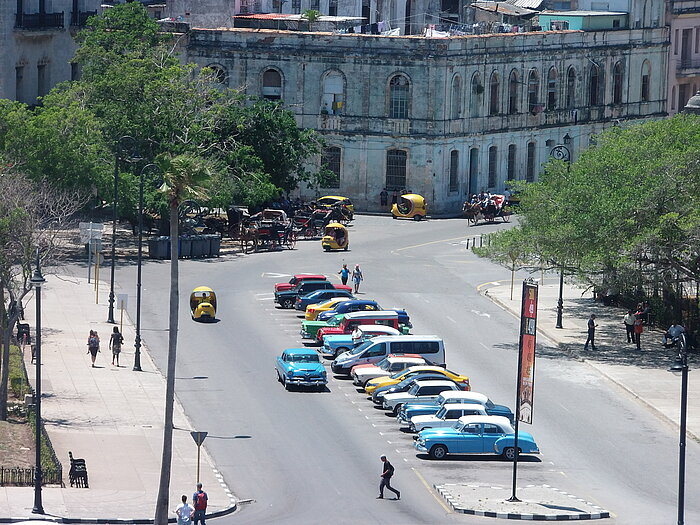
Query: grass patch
(19,384)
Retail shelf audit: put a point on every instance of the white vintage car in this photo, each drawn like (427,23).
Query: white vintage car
(421,390)
(447,416)
(386,367)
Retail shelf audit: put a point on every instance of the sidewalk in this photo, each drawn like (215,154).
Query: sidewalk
(643,374)
(112,417)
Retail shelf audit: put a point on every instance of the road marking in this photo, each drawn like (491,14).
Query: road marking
(439,500)
(275,275)
(429,243)
(492,283)
(449,318)
(481,314)
(482,344)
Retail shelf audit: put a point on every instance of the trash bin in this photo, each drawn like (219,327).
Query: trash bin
(215,245)
(197,248)
(185,246)
(159,247)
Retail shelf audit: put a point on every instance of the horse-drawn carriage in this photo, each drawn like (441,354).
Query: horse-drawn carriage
(269,229)
(488,210)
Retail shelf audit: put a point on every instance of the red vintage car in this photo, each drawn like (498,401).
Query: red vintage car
(279,287)
(355,319)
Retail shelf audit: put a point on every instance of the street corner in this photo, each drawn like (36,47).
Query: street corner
(537,502)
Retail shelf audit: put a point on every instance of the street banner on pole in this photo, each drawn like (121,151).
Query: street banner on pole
(528,332)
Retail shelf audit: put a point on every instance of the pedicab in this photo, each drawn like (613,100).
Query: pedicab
(410,205)
(203,304)
(335,237)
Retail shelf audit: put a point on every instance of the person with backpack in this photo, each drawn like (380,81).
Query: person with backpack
(115,344)
(184,512)
(387,473)
(200,499)
(93,343)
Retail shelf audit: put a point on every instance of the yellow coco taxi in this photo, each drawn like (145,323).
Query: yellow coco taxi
(373,384)
(203,304)
(330,200)
(313,310)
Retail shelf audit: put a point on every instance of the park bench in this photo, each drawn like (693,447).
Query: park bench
(78,472)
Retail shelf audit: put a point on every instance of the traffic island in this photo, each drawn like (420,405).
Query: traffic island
(537,502)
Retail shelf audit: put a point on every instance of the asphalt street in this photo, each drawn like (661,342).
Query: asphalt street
(314,457)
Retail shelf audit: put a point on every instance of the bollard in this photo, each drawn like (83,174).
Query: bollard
(467,243)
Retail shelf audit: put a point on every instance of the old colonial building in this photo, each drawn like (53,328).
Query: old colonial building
(450,116)
(684,62)
(36,44)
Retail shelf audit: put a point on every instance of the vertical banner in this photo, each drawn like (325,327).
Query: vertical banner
(528,331)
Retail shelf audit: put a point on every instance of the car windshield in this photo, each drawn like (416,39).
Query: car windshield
(334,321)
(489,404)
(305,358)
(441,413)
(398,374)
(384,364)
(360,348)
(414,389)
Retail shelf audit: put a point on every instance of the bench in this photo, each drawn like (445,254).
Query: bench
(78,472)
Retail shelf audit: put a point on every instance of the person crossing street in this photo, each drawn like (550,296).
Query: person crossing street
(387,473)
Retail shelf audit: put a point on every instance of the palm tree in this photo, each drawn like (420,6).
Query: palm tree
(184,176)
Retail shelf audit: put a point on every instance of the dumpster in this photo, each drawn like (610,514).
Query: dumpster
(200,246)
(159,247)
(215,245)
(185,246)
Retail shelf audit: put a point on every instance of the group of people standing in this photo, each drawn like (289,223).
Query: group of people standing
(196,513)
(115,345)
(357,276)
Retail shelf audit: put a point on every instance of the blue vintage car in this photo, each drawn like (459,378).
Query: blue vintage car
(475,435)
(320,296)
(301,367)
(430,408)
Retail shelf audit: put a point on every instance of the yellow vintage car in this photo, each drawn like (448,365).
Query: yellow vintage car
(330,200)
(313,310)
(203,304)
(395,379)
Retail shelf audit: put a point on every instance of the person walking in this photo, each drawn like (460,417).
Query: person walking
(628,321)
(357,278)
(387,473)
(200,500)
(184,512)
(344,274)
(591,333)
(93,343)
(115,344)
(638,329)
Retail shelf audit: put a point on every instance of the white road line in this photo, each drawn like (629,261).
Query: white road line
(482,344)
(449,318)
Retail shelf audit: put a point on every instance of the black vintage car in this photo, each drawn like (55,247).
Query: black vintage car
(287,298)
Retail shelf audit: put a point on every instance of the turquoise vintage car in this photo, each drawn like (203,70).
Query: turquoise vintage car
(475,435)
(300,367)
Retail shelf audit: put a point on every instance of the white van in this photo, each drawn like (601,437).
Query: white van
(429,347)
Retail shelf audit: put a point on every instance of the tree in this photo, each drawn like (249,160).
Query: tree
(311,16)
(184,177)
(31,216)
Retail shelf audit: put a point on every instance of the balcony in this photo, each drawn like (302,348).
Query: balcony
(39,21)
(681,7)
(688,67)
(78,18)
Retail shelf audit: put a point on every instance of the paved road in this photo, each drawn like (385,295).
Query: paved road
(315,456)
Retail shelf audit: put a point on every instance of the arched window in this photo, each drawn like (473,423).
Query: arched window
(272,85)
(617,83)
(531,153)
(219,75)
(646,79)
(396,169)
(398,97)
(454,169)
(512,150)
(594,86)
(330,159)
(552,89)
(513,87)
(494,89)
(493,166)
(476,99)
(332,100)
(456,108)
(571,88)
(533,91)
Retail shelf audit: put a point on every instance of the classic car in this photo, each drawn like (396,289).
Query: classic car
(421,390)
(427,408)
(355,319)
(295,280)
(300,367)
(334,345)
(287,298)
(475,435)
(389,365)
(378,395)
(447,416)
(373,384)
(345,307)
(313,310)
(320,296)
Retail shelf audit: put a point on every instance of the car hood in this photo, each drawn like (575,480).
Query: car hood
(306,367)
(339,338)
(314,323)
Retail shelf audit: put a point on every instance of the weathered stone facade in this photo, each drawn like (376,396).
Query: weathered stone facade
(684,53)
(445,117)
(36,45)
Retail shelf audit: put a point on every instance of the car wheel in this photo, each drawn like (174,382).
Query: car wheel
(287,386)
(396,409)
(287,303)
(438,452)
(509,453)
(279,377)
(417,217)
(339,351)
(394,216)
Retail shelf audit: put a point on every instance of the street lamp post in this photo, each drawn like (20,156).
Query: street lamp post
(680,366)
(137,341)
(37,280)
(561,152)
(121,146)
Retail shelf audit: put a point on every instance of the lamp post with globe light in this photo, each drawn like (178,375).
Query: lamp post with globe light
(680,367)
(562,152)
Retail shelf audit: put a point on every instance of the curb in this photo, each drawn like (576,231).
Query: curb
(443,491)
(144,521)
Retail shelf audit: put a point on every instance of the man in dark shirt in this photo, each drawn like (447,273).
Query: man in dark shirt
(387,472)
(591,333)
